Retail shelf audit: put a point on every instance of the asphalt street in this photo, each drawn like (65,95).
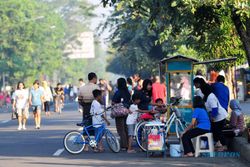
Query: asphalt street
(44,147)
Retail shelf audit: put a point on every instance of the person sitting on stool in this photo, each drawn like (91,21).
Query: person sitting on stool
(200,125)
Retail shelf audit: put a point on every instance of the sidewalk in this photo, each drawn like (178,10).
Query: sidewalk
(245,107)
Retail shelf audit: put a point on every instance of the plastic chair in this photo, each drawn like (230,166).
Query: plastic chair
(210,149)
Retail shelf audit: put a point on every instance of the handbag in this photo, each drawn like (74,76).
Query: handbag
(14,115)
(118,110)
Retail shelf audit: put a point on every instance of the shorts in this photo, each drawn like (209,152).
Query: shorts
(98,130)
(23,112)
(36,109)
(131,130)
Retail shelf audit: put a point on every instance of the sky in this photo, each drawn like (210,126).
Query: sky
(100,11)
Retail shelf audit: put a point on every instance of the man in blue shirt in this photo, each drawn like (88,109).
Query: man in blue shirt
(221,91)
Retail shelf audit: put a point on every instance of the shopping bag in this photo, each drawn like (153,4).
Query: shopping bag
(14,115)
(155,141)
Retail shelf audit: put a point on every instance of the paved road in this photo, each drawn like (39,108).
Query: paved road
(44,147)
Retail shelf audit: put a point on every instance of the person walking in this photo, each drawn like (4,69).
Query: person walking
(36,99)
(85,97)
(221,91)
(59,98)
(122,95)
(21,105)
(47,98)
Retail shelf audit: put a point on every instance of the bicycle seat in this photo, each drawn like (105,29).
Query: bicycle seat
(80,124)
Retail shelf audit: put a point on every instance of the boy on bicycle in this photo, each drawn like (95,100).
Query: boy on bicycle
(98,117)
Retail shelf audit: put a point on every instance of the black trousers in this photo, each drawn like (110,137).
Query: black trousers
(186,139)
(217,128)
(46,106)
(86,116)
(122,130)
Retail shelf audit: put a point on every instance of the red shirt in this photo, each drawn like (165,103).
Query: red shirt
(159,91)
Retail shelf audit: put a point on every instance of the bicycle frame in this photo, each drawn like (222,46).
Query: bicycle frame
(171,120)
(97,137)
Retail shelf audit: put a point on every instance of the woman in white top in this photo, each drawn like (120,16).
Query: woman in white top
(47,97)
(21,105)
(217,115)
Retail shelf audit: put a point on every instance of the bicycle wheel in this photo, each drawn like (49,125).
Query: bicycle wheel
(112,142)
(74,142)
(141,136)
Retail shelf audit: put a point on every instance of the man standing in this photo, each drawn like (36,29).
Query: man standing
(81,84)
(221,91)
(159,90)
(85,96)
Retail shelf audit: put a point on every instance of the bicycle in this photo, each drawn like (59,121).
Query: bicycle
(75,141)
(175,118)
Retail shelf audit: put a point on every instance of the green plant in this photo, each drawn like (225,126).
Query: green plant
(247,121)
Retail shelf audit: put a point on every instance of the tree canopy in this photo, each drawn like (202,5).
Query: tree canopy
(213,29)
(30,39)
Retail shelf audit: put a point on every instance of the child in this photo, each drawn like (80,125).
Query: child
(237,118)
(162,110)
(98,117)
(131,120)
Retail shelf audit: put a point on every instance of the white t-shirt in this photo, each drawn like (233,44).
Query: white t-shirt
(21,98)
(131,119)
(96,110)
(47,93)
(213,102)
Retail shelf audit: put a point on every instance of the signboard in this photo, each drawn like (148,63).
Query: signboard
(82,47)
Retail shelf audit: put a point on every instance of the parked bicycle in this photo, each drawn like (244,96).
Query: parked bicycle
(175,119)
(75,141)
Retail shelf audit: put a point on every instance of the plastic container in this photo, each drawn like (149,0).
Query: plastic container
(175,150)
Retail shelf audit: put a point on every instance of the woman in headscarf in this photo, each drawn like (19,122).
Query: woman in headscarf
(237,118)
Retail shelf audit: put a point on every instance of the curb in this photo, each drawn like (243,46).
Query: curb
(241,145)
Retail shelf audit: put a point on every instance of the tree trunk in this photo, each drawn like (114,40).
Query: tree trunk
(244,33)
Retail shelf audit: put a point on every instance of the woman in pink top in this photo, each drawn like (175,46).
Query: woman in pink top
(1,99)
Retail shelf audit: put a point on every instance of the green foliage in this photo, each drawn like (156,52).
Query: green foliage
(247,121)
(211,28)
(29,46)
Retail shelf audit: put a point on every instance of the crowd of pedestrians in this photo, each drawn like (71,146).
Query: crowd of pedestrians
(143,98)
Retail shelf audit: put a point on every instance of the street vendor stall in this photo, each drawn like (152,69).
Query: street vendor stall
(178,71)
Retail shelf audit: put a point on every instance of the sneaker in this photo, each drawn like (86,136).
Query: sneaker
(24,128)
(80,129)
(19,128)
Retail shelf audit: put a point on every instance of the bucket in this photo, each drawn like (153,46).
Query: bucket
(175,150)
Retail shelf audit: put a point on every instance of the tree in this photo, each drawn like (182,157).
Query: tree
(135,44)
(214,28)
(30,39)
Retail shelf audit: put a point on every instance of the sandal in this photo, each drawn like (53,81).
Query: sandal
(188,155)
(131,151)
